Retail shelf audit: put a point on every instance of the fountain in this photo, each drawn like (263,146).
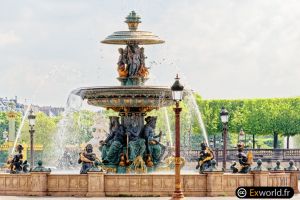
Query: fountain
(132,147)
(132,100)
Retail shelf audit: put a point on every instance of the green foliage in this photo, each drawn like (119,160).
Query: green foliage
(3,125)
(45,128)
(3,128)
(80,127)
(261,117)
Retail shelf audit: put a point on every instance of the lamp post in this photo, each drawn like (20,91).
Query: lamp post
(177,95)
(211,142)
(31,119)
(5,136)
(224,119)
(241,134)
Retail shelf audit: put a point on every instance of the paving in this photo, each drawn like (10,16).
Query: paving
(119,198)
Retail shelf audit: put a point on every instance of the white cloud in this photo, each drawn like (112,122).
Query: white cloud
(10,37)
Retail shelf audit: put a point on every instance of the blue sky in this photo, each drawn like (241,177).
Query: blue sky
(221,48)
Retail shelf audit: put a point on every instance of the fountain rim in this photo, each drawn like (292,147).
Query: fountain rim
(128,88)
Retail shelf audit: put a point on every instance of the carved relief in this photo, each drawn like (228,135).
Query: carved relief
(8,182)
(52,183)
(83,183)
(23,182)
(2,182)
(74,182)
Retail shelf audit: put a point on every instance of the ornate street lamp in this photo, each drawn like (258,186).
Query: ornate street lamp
(177,94)
(224,119)
(31,119)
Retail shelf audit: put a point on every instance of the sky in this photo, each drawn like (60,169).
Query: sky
(222,49)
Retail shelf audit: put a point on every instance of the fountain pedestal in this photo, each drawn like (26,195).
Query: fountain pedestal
(214,183)
(260,178)
(294,175)
(95,184)
(39,183)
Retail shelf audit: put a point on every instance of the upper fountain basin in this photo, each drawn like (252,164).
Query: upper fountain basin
(120,98)
(138,37)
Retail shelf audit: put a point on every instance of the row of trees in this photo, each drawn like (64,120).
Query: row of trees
(276,116)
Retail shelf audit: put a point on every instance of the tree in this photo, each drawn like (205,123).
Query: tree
(45,127)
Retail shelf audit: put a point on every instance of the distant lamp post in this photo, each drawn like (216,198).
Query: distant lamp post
(224,119)
(241,135)
(250,143)
(31,119)
(177,95)
(5,136)
(211,142)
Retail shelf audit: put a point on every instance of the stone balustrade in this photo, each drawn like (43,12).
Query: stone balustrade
(101,184)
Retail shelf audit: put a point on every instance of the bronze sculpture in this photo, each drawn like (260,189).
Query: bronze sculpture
(88,159)
(136,145)
(205,158)
(278,167)
(16,164)
(113,144)
(41,168)
(154,149)
(245,161)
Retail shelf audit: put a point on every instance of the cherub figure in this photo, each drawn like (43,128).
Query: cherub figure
(122,64)
(16,164)
(205,157)
(88,159)
(245,161)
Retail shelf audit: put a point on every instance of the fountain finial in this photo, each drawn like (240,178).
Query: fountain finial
(132,36)
(133,21)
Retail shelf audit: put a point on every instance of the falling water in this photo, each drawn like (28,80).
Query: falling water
(37,89)
(168,125)
(20,128)
(73,104)
(198,114)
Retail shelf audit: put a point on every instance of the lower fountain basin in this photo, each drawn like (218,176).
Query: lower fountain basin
(95,184)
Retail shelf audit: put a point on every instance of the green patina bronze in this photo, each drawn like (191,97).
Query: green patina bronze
(40,168)
(291,166)
(278,167)
(259,166)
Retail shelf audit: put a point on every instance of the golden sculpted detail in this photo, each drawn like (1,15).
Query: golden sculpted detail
(131,62)
(139,165)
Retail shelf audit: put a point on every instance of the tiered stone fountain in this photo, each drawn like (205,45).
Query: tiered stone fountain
(132,100)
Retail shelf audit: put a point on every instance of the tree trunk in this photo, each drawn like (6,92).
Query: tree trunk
(275,141)
(190,136)
(214,141)
(253,141)
(288,142)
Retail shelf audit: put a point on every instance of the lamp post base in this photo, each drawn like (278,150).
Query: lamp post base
(177,195)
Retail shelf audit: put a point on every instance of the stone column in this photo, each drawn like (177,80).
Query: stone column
(214,183)
(260,178)
(95,184)
(39,183)
(294,180)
